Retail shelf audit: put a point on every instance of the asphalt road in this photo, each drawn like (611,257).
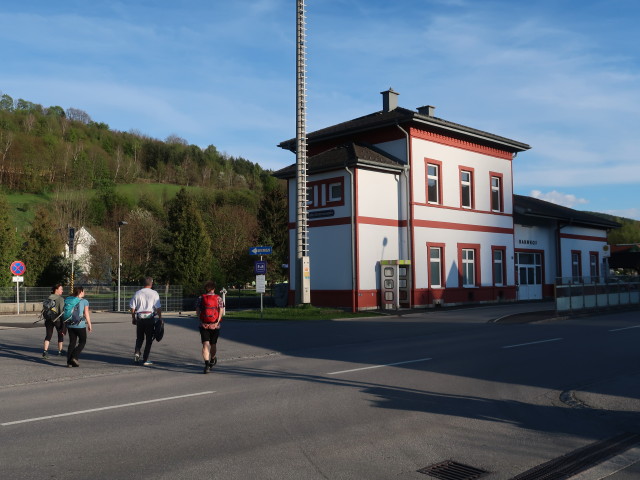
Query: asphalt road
(347,399)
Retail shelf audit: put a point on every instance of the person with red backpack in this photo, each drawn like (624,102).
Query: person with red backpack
(210,310)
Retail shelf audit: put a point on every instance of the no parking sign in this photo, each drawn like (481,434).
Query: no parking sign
(18,268)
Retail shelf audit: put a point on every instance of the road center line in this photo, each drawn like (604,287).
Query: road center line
(625,328)
(532,343)
(379,366)
(79,412)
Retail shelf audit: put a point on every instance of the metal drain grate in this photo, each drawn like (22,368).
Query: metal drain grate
(451,470)
(581,459)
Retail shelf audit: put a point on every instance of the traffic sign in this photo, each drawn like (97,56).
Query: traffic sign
(260,267)
(17,279)
(18,268)
(260,251)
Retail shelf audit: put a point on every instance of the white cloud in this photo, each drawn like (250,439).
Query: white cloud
(564,199)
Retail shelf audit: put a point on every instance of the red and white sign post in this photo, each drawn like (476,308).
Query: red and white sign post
(18,268)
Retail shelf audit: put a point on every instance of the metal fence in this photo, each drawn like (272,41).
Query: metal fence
(576,294)
(101,298)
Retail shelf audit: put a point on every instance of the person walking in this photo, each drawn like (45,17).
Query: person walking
(78,321)
(210,310)
(144,307)
(54,321)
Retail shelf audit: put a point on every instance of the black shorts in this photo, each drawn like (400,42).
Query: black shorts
(209,335)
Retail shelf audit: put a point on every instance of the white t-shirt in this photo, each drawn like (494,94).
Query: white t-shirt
(145,300)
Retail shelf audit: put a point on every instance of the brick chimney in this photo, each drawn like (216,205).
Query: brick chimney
(389,100)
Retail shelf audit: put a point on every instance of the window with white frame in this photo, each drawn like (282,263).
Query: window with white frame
(466,189)
(435,267)
(468,267)
(576,265)
(433,183)
(498,267)
(310,196)
(593,266)
(335,192)
(496,194)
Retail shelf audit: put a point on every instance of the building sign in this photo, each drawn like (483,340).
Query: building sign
(527,242)
(322,213)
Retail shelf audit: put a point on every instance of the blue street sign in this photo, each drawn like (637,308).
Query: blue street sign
(260,251)
(260,267)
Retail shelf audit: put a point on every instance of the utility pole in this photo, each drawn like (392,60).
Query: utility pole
(303,275)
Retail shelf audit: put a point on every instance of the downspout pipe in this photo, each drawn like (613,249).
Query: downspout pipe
(406,172)
(353,242)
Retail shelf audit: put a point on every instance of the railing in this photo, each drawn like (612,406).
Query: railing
(101,298)
(576,294)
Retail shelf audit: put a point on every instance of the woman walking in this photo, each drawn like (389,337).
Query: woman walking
(78,319)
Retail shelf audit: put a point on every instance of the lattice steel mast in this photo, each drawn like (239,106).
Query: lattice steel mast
(303,283)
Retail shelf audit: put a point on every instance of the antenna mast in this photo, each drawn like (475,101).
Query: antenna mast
(303,284)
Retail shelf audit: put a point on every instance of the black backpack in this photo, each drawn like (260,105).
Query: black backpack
(50,310)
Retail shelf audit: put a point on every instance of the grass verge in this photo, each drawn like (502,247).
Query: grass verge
(299,314)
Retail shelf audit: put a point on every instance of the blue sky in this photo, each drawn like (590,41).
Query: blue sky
(560,75)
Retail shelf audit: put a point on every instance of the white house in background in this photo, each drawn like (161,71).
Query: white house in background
(82,243)
(411,210)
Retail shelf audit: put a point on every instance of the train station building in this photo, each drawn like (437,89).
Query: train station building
(407,209)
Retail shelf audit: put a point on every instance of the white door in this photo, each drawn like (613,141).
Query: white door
(529,272)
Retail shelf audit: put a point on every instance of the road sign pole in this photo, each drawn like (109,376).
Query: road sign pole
(18,297)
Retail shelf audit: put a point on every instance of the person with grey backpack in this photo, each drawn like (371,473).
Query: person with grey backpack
(52,314)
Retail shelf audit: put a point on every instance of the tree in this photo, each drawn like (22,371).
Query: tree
(233,231)
(42,249)
(628,233)
(190,262)
(7,243)
(6,103)
(273,221)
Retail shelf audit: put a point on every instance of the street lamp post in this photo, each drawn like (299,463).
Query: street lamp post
(120,224)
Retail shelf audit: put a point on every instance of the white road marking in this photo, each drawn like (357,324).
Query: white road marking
(532,343)
(625,328)
(379,366)
(79,412)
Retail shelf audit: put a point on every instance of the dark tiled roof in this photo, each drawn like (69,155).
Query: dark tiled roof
(524,207)
(349,155)
(401,115)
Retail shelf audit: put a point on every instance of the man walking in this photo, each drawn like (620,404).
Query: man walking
(210,310)
(144,307)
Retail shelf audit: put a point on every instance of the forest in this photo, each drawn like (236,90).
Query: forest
(186,214)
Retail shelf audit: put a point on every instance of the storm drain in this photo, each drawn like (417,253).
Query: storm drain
(581,459)
(451,470)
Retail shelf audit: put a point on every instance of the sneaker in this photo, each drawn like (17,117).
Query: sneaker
(45,354)
(69,365)
(207,367)
(136,358)
(213,361)
(60,353)
(74,362)
(147,363)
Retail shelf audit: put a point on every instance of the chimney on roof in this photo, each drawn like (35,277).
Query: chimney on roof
(389,100)
(427,110)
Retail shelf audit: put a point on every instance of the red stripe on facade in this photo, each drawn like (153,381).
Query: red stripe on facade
(583,237)
(465,145)
(461,226)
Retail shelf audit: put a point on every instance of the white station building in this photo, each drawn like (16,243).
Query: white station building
(409,210)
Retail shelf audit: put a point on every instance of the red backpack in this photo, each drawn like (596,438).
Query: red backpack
(209,308)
